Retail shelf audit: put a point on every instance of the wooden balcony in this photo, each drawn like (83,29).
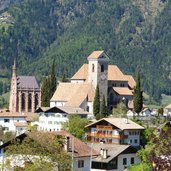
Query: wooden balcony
(101,135)
(104,127)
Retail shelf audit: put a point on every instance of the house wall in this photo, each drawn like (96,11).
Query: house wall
(117,83)
(9,125)
(90,105)
(55,103)
(86,164)
(120,165)
(133,137)
(51,121)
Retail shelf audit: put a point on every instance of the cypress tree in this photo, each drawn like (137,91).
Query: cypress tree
(52,81)
(103,111)
(138,95)
(45,93)
(96,104)
(64,79)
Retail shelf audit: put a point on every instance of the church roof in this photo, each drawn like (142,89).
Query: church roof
(74,93)
(123,91)
(131,81)
(114,74)
(82,73)
(95,54)
(27,82)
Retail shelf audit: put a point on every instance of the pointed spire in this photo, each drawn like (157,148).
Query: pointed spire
(14,69)
(14,65)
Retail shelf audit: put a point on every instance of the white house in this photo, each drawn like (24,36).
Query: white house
(113,157)
(52,118)
(80,152)
(13,122)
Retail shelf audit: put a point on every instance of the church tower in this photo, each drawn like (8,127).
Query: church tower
(98,71)
(13,90)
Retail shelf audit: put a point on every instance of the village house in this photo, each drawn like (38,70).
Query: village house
(80,92)
(80,152)
(13,122)
(114,131)
(52,118)
(113,157)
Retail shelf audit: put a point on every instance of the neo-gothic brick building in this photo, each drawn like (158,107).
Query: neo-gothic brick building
(25,93)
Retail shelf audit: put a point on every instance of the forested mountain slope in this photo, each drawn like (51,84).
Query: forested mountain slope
(136,34)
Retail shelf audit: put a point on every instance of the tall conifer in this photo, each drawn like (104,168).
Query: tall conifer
(45,93)
(96,104)
(103,111)
(52,80)
(138,95)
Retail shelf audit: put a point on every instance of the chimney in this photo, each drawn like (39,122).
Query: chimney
(101,152)
(66,146)
(105,153)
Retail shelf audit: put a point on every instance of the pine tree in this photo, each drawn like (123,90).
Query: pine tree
(103,110)
(138,95)
(45,93)
(52,80)
(96,104)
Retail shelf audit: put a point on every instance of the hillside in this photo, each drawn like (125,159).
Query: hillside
(136,34)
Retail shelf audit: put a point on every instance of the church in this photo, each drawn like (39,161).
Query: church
(25,93)
(80,91)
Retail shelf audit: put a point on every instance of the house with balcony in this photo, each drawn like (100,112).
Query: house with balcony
(114,131)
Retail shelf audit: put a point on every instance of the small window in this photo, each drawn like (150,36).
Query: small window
(6,120)
(132,160)
(135,141)
(102,68)
(130,141)
(92,67)
(124,161)
(80,163)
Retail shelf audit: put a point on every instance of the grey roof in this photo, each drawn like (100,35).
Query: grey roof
(27,82)
(113,151)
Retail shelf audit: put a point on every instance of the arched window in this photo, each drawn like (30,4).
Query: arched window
(92,67)
(102,68)
(23,102)
(29,102)
(36,101)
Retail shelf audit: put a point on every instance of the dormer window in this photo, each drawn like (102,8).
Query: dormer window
(92,67)
(102,68)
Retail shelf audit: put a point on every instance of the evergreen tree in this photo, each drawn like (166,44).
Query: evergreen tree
(103,110)
(52,80)
(45,93)
(64,79)
(96,104)
(138,95)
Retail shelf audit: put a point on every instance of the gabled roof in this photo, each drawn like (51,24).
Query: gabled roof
(121,123)
(12,114)
(49,110)
(114,150)
(82,73)
(74,93)
(115,74)
(27,82)
(123,91)
(131,81)
(95,54)
(80,148)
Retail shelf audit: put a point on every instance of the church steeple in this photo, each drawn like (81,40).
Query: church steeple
(13,90)
(14,69)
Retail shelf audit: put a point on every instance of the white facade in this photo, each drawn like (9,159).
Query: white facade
(10,124)
(124,160)
(51,121)
(57,103)
(133,137)
(77,81)
(82,164)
